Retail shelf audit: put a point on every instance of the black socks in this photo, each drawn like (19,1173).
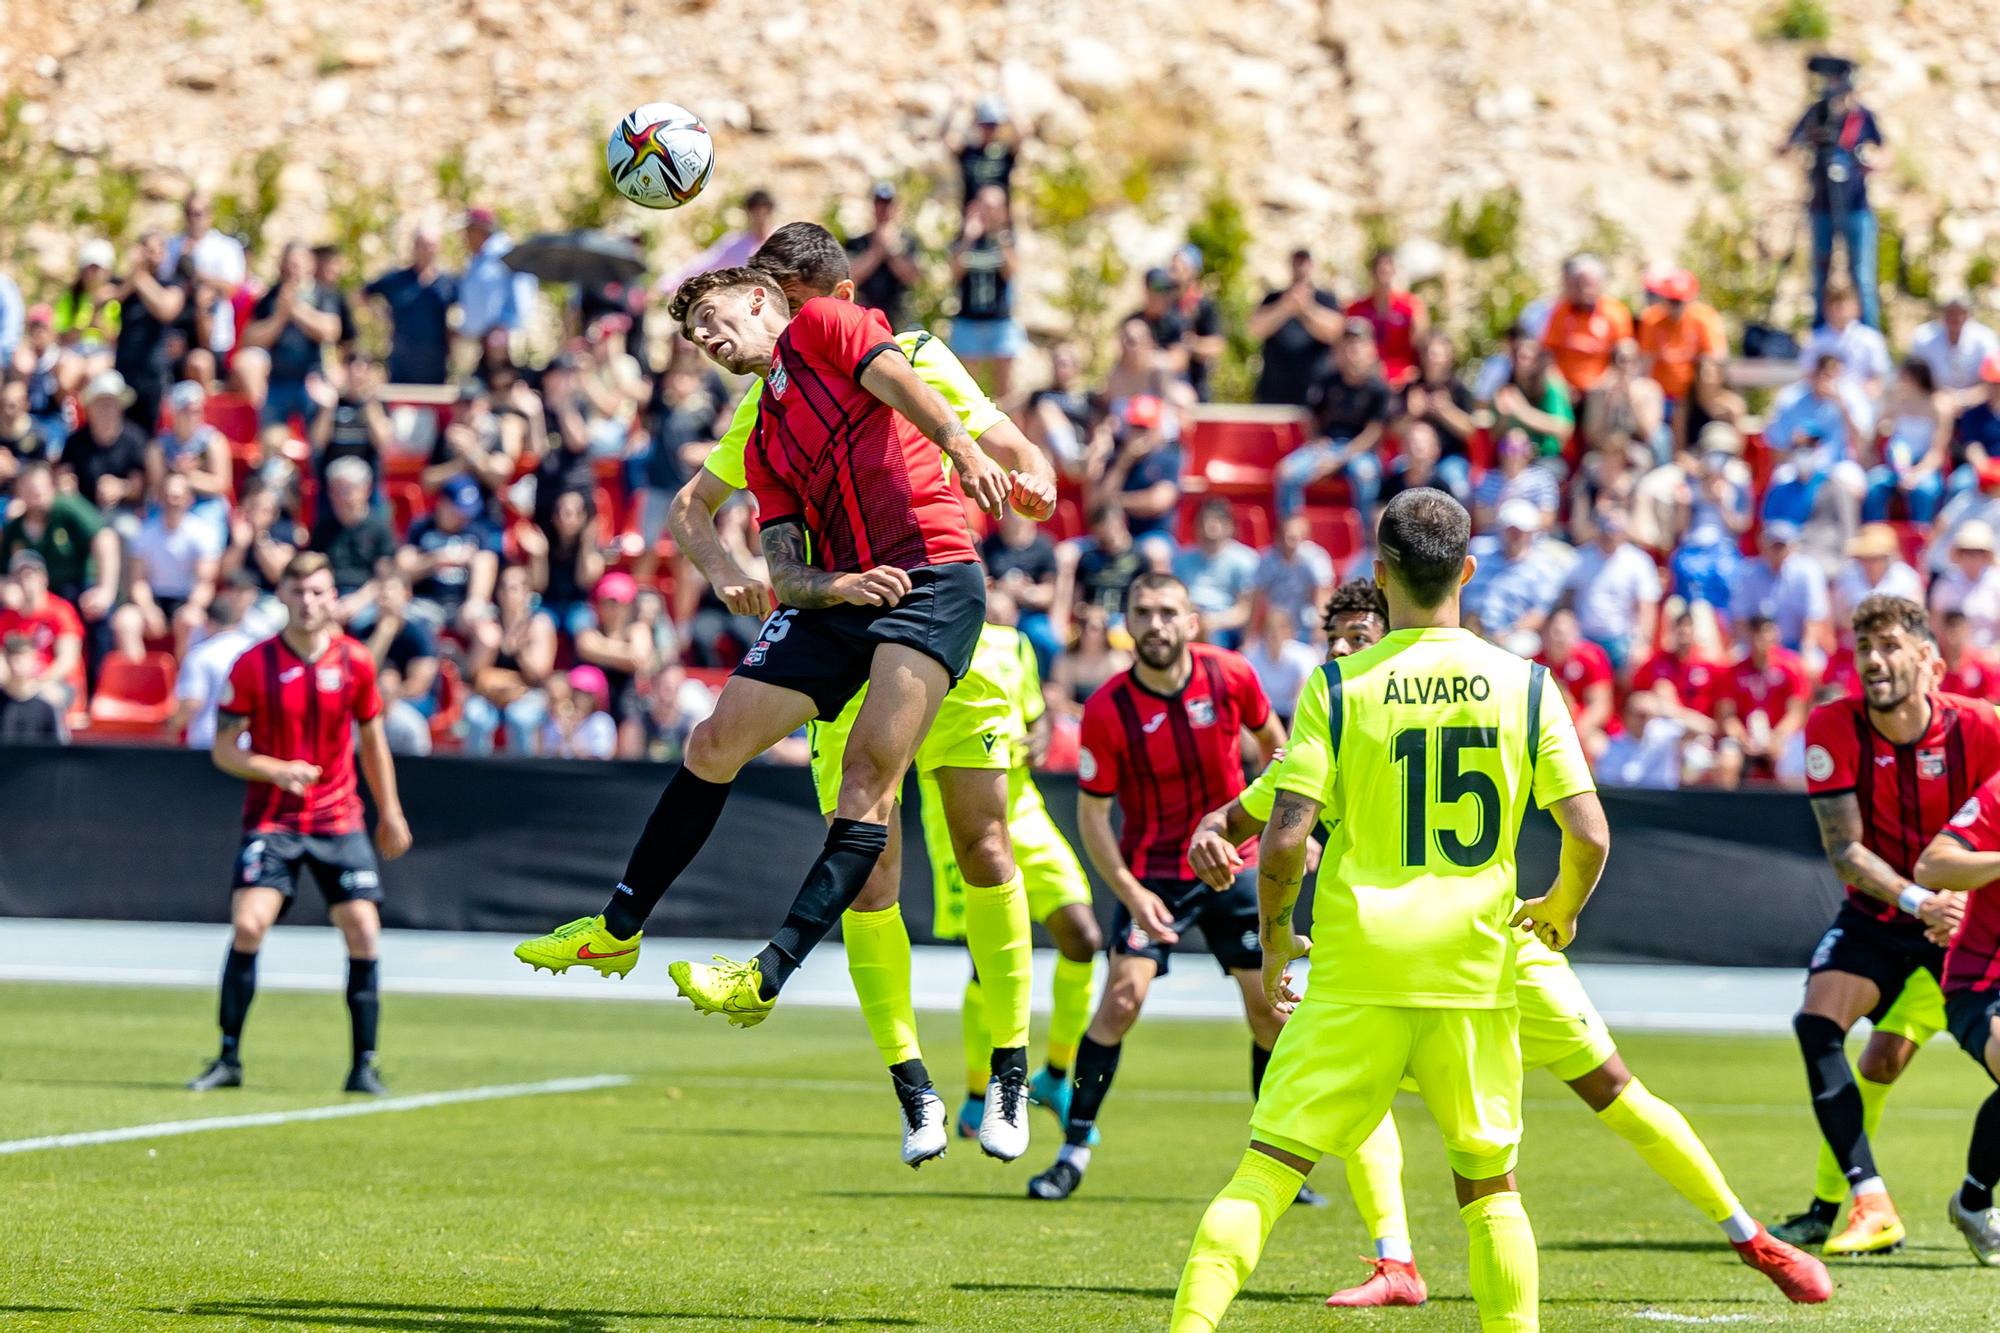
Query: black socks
(684,816)
(1836,1100)
(831,886)
(1095,1064)
(239,987)
(364,1007)
(1982,1159)
(1260,1060)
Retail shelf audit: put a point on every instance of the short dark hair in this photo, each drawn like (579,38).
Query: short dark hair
(1356,597)
(1883,611)
(1953,619)
(1423,537)
(1146,582)
(1825,359)
(304,565)
(715,280)
(803,254)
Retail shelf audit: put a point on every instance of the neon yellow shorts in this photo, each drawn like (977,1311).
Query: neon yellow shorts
(970,731)
(1561,1030)
(1918,1013)
(1336,1068)
(1049,867)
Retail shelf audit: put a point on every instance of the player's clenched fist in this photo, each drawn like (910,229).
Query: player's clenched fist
(1032,497)
(1214,861)
(986,483)
(294,776)
(746,597)
(884,585)
(1151,916)
(392,836)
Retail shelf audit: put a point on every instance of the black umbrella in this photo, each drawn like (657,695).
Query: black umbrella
(590,258)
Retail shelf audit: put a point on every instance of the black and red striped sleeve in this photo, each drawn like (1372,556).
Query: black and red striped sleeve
(1833,749)
(840,335)
(365,698)
(1100,762)
(1245,690)
(244,691)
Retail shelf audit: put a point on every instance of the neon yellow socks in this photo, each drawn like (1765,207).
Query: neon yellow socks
(1505,1277)
(1070,995)
(1231,1236)
(1666,1142)
(878,960)
(996,933)
(1829,1185)
(1375,1179)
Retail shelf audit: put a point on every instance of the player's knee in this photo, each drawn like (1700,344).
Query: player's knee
(1077,940)
(868,785)
(987,857)
(1120,1008)
(712,754)
(1884,1062)
(250,930)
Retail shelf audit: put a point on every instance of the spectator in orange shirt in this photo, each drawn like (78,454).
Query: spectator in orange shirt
(1585,325)
(1676,331)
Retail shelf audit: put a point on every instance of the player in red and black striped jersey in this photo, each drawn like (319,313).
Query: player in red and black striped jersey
(288,725)
(1885,772)
(1966,857)
(1164,740)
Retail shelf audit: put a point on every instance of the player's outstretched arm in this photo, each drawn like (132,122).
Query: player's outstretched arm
(378,767)
(892,380)
(1586,846)
(801,585)
(288,775)
(1281,869)
(691,518)
(1949,864)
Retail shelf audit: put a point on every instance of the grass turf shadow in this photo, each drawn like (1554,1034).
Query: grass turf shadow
(399,1315)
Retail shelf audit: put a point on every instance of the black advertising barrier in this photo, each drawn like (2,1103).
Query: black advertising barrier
(1732,879)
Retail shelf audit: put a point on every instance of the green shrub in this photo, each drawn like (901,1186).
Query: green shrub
(1799,21)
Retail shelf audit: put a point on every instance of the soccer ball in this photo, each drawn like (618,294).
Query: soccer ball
(660,155)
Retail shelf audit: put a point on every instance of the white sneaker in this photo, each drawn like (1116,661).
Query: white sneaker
(1003,1130)
(1981,1230)
(923,1126)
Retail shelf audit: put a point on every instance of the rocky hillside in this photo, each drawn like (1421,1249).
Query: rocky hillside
(1328,123)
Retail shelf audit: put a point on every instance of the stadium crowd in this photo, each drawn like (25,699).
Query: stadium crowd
(173,425)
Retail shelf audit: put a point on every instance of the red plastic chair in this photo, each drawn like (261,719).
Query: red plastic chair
(133,698)
(1236,457)
(407,503)
(1338,529)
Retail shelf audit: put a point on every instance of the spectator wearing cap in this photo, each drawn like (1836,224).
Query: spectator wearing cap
(108,456)
(578,727)
(86,312)
(1220,573)
(204,668)
(987,151)
(1585,325)
(1842,139)
(1971,582)
(211,254)
(1584,674)
(418,299)
(21,437)
(1351,405)
(79,552)
(1520,575)
(733,248)
(1764,701)
(513,655)
(192,448)
(1874,567)
(175,560)
(491,297)
(1786,586)
(290,327)
(356,540)
(622,648)
(27,716)
(1676,331)
(984,332)
(1295,574)
(1160,311)
(1615,588)
(50,625)
(1702,498)
(152,305)
(1397,319)
(1534,398)
(13,318)
(883,261)
(451,558)
(1915,447)
(1862,352)
(1955,345)
(1514,476)
(1199,317)
(1294,327)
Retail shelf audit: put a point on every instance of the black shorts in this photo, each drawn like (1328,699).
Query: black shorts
(1885,953)
(825,654)
(1970,1014)
(342,864)
(1228,921)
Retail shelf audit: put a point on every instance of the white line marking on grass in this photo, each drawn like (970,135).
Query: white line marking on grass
(416,1102)
(1669,1317)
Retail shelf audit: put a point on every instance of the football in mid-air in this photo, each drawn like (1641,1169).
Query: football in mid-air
(660,155)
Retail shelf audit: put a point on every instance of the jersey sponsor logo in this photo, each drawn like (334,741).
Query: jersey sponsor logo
(329,679)
(1439,689)
(1251,944)
(1201,712)
(777,381)
(290,674)
(1884,760)
(1086,765)
(1152,724)
(1968,814)
(252,859)
(1819,764)
(359,879)
(1930,763)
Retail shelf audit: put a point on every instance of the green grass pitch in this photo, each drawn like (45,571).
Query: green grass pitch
(749,1180)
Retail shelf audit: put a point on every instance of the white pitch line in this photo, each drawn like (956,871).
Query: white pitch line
(415,1102)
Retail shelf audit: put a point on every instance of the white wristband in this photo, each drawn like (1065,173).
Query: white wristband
(1912,898)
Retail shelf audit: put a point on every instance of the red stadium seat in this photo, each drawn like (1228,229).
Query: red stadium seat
(1236,457)
(133,698)
(407,502)
(1067,522)
(232,414)
(1338,529)
(450,706)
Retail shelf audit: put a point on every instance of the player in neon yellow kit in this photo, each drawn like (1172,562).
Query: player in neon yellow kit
(1560,1031)
(1424,750)
(807,261)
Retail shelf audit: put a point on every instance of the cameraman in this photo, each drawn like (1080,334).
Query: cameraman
(1839,133)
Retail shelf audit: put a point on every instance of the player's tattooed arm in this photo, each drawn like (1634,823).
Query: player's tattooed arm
(1840,836)
(796,582)
(1281,858)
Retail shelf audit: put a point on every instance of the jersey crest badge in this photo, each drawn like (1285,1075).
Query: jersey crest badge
(777,381)
(1930,763)
(1201,712)
(329,679)
(1968,814)
(1819,764)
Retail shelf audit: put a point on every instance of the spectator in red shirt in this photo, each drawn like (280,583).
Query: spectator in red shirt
(1968,669)
(1688,681)
(1584,672)
(27,607)
(1398,318)
(1765,701)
